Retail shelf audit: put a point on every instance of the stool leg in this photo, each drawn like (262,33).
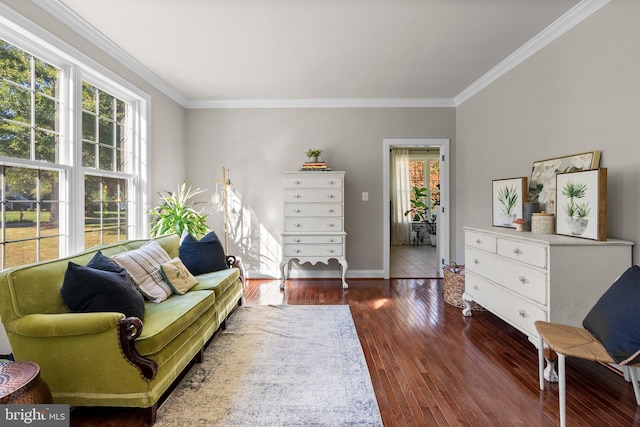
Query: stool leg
(563,390)
(633,372)
(541,363)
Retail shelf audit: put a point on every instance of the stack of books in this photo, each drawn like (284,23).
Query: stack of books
(315,166)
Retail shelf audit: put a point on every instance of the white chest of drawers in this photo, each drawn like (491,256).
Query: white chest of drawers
(313,220)
(522,277)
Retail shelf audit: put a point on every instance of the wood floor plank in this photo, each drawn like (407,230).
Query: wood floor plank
(431,366)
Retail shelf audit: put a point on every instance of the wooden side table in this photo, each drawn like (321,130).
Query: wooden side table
(20,383)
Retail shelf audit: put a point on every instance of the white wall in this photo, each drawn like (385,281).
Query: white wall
(258,144)
(578,94)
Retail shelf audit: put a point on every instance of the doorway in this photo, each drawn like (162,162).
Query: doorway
(420,259)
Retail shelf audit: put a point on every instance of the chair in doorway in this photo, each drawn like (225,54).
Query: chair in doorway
(611,334)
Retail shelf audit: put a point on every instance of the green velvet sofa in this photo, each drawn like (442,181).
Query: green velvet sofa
(105,359)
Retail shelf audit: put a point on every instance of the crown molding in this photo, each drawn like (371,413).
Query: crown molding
(72,20)
(324,103)
(570,19)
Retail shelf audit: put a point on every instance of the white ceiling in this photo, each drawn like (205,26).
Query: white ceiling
(318,49)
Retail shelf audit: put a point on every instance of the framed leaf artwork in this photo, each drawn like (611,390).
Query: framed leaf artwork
(582,204)
(543,176)
(508,196)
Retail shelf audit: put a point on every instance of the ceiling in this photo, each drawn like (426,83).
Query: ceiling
(207,50)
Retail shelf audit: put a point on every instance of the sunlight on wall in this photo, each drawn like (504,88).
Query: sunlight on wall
(249,239)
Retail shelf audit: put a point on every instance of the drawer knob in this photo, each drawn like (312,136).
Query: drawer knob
(476,261)
(297,251)
(297,211)
(296,240)
(523,314)
(478,241)
(329,196)
(518,251)
(297,182)
(523,280)
(296,225)
(330,251)
(330,182)
(330,210)
(296,196)
(331,225)
(330,240)
(476,287)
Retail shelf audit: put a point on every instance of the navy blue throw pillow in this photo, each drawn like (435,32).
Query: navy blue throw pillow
(615,319)
(204,255)
(86,289)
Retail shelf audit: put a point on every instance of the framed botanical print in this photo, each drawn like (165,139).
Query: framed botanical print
(508,196)
(543,176)
(581,209)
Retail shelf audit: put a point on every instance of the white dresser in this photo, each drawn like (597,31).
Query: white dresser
(522,277)
(313,220)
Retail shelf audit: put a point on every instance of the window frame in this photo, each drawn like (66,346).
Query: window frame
(75,67)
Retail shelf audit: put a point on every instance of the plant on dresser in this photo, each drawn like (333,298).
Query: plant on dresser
(313,220)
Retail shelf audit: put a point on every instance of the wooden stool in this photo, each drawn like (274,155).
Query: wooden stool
(20,383)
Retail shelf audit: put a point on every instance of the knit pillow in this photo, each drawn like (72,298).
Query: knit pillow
(143,264)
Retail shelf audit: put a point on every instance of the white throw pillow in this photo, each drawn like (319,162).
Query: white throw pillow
(143,265)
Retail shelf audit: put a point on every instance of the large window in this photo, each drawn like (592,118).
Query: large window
(424,172)
(68,176)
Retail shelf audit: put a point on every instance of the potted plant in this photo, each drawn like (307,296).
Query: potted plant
(177,214)
(313,153)
(577,212)
(420,214)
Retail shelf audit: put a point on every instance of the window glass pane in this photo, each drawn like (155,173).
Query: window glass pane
(21,253)
(121,136)
(91,237)
(49,248)
(106,132)
(106,158)
(121,110)
(49,225)
(88,154)
(46,112)
(50,185)
(46,78)
(21,222)
(16,103)
(121,161)
(46,146)
(20,183)
(110,235)
(106,104)
(88,126)
(88,97)
(15,64)
(14,140)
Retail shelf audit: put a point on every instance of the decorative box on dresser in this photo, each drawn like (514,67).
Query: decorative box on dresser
(313,220)
(522,277)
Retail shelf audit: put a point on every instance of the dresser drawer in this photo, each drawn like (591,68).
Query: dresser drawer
(526,281)
(313,239)
(523,251)
(301,250)
(315,210)
(312,224)
(486,242)
(313,196)
(313,182)
(515,310)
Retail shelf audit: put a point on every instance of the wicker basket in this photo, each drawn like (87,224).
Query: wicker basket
(454,287)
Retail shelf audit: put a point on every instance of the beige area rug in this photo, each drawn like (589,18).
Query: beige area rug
(279,365)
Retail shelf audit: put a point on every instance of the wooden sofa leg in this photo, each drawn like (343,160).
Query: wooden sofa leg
(223,325)
(200,356)
(149,414)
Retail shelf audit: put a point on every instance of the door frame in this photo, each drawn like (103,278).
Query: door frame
(444,223)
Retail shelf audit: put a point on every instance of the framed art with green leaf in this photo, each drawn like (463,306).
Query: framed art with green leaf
(581,204)
(508,200)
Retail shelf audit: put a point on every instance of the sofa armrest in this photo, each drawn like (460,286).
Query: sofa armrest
(86,324)
(63,324)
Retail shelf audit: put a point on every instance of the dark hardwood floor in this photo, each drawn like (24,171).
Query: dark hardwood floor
(430,366)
